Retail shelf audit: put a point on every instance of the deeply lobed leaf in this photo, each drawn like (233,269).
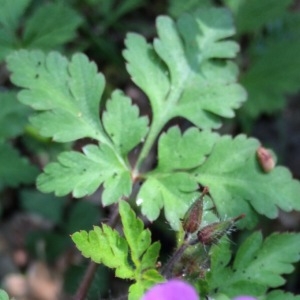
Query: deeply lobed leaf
(257,266)
(238,184)
(105,245)
(133,257)
(170,186)
(68,92)
(82,174)
(186,72)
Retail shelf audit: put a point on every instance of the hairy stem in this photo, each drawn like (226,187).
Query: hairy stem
(168,268)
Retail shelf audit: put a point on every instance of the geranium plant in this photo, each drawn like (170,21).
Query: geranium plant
(206,184)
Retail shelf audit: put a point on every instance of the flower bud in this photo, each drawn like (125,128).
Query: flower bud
(212,233)
(193,216)
(265,159)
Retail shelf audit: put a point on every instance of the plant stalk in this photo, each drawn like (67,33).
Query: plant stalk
(168,268)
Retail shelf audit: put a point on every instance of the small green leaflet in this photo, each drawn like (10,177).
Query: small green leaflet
(238,185)
(51,24)
(258,264)
(83,173)
(67,93)
(170,185)
(186,72)
(105,245)
(122,123)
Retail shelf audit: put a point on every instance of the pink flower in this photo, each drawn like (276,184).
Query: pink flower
(172,290)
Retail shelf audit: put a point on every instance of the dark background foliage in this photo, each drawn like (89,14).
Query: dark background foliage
(35,248)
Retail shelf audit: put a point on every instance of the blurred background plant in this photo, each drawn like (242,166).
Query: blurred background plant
(37,258)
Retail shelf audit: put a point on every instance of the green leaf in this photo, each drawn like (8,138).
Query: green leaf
(150,257)
(105,245)
(3,295)
(14,169)
(150,278)
(264,11)
(13,115)
(138,239)
(281,295)
(122,123)
(184,151)
(82,174)
(51,25)
(174,192)
(238,184)
(186,72)
(10,14)
(257,266)
(136,291)
(143,254)
(68,92)
(170,186)
(278,62)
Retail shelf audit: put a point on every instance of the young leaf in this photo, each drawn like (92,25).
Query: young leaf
(51,25)
(186,72)
(258,264)
(107,246)
(122,123)
(138,239)
(264,11)
(170,186)
(238,185)
(13,115)
(83,173)
(67,92)
(14,169)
